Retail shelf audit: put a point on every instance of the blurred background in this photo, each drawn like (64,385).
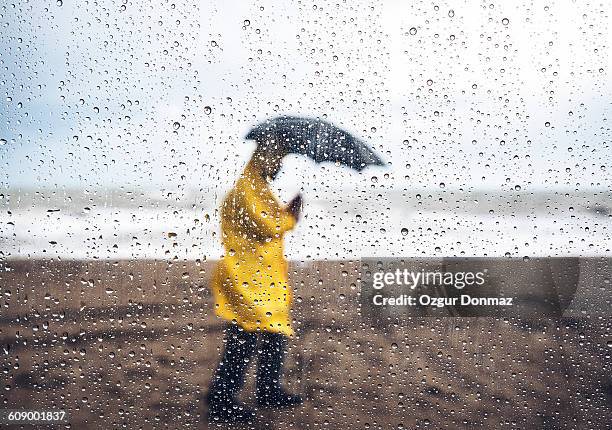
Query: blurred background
(123,124)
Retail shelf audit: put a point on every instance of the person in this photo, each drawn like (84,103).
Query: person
(251,289)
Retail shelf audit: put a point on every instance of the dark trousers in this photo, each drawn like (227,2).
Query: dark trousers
(240,347)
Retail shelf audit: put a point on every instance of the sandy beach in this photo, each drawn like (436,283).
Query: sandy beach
(133,344)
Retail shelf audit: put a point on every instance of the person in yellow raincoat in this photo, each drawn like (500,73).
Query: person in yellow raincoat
(251,288)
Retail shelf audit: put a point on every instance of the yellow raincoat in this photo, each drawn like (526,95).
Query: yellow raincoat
(251,283)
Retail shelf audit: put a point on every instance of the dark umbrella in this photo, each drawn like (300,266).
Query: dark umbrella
(316,139)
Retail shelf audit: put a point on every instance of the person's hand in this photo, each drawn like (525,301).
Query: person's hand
(295,206)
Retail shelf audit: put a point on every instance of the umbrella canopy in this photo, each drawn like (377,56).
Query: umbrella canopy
(316,139)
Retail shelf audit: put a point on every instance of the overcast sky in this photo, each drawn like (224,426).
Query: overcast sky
(471,95)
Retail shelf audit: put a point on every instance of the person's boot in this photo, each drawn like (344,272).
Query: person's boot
(278,398)
(269,393)
(229,378)
(226,409)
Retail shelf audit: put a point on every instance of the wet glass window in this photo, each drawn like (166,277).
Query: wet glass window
(305,215)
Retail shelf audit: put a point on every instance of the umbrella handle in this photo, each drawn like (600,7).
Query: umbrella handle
(296,205)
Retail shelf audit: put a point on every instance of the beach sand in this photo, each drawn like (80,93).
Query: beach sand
(133,344)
